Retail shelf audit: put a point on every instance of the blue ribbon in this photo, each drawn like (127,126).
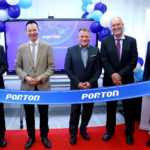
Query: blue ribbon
(76,96)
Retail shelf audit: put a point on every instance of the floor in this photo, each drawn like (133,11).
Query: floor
(58,116)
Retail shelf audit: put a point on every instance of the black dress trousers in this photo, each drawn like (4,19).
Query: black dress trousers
(2,121)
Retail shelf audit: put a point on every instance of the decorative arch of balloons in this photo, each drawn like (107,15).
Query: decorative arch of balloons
(11,9)
(96,10)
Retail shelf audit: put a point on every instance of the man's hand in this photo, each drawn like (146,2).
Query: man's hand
(37,80)
(81,85)
(87,85)
(84,85)
(118,83)
(29,80)
(33,82)
(116,78)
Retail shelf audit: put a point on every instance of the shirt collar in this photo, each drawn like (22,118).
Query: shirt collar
(122,37)
(37,42)
(82,48)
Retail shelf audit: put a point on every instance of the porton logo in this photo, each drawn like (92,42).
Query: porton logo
(98,95)
(22,97)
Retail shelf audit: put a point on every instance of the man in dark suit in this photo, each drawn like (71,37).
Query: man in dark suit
(34,65)
(118,70)
(83,67)
(146,75)
(3,69)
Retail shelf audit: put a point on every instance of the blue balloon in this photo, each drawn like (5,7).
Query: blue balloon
(86,2)
(25,4)
(83,7)
(140,61)
(123,29)
(104,32)
(97,15)
(2,26)
(85,14)
(100,6)
(14,11)
(96,27)
(89,16)
(3,4)
(139,75)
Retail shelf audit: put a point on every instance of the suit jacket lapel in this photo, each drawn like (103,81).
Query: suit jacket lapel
(29,54)
(39,53)
(124,45)
(114,48)
(79,56)
(89,54)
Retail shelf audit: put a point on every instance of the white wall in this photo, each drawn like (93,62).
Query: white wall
(148,24)
(56,8)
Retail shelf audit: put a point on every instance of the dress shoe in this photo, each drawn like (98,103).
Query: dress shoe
(46,142)
(3,142)
(84,135)
(148,143)
(107,136)
(29,143)
(73,140)
(130,140)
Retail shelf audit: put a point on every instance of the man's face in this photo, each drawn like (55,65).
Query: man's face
(84,38)
(32,32)
(117,27)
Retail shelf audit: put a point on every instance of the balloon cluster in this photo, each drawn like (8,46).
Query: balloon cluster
(11,9)
(94,9)
(138,72)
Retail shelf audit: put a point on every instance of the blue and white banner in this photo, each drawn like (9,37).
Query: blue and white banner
(76,96)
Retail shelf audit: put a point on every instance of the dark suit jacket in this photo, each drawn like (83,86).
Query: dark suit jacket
(3,66)
(111,64)
(146,74)
(77,72)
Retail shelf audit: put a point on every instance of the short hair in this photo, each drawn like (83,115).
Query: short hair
(115,18)
(31,22)
(84,29)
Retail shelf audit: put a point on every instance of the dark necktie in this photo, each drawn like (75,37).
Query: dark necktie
(118,48)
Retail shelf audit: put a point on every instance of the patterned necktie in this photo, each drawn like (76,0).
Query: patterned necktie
(118,48)
(33,53)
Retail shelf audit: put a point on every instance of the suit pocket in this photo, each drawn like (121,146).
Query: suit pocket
(93,56)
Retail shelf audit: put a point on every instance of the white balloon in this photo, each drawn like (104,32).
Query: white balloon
(90,8)
(96,1)
(137,68)
(12,2)
(106,19)
(3,15)
(104,22)
(110,14)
